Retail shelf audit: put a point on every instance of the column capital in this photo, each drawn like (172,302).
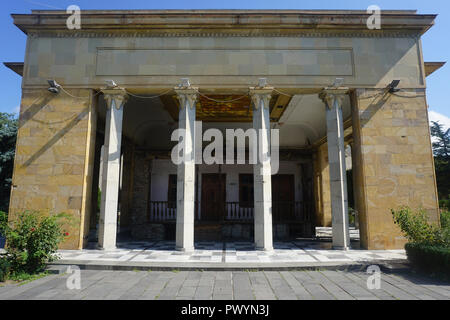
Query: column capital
(257,94)
(187,94)
(330,95)
(118,95)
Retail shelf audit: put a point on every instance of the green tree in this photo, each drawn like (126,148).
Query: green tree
(8,133)
(441,143)
(441,150)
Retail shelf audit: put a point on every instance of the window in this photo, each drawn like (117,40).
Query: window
(246,191)
(172,191)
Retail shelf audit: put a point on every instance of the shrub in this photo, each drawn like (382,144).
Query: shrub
(444,204)
(32,240)
(429,258)
(3,222)
(445,219)
(417,229)
(4,269)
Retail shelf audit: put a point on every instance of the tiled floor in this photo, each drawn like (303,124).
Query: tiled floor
(230,252)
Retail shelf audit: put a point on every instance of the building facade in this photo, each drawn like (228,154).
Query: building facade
(330,90)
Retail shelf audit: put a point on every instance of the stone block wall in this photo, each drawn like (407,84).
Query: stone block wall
(322,194)
(139,206)
(54,158)
(394,162)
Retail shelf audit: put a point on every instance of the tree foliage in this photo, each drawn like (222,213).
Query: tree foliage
(441,143)
(8,133)
(441,150)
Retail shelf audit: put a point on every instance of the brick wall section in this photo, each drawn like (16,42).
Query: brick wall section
(394,164)
(54,146)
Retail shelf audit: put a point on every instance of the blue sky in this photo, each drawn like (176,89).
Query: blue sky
(436,42)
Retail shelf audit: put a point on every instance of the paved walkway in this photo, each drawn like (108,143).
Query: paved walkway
(294,253)
(227,285)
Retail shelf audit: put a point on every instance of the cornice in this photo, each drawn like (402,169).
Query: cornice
(218,34)
(206,23)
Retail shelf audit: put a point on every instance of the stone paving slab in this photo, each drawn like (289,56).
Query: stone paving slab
(236,254)
(230,285)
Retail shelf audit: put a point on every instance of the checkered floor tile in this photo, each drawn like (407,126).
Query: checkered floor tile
(229,252)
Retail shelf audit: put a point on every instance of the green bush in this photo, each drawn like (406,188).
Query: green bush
(445,219)
(417,229)
(32,240)
(430,259)
(444,204)
(3,222)
(4,269)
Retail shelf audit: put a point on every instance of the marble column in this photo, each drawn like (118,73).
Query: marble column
(115,100)
(262,177)
(186,171)
(333,98)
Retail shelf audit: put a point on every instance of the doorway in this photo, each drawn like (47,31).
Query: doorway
(283,197)
(213,197)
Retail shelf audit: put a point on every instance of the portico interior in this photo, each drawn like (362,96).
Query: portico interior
(224,193)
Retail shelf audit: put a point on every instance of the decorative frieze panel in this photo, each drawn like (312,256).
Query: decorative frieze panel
(225,62)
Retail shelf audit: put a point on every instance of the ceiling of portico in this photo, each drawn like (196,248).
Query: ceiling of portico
(149,124)
(304,120)
(226,107)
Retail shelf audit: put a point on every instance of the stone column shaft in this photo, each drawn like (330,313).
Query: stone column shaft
(262,177)
(115,99)
(333,98)
(186,171)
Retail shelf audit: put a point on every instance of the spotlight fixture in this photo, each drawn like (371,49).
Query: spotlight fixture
(110,84)
(54,86)
(338,82)
(393,85)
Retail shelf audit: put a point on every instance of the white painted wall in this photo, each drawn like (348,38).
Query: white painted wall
(163,168)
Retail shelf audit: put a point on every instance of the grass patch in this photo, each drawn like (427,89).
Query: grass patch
(24,278)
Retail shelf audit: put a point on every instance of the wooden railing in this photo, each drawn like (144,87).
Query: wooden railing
(282,211)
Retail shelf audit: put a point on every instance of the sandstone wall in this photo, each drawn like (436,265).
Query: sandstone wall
(322,194)
(394,163)
(54,158)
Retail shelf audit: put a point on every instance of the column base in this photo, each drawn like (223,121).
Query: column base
(264,249)
(341,248)
(182,249)
(106,249)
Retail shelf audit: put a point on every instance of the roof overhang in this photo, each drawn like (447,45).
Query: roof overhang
(431,67)
(245,22)
(17,67)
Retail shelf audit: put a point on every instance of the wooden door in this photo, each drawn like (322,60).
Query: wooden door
(283,197)
(213,197)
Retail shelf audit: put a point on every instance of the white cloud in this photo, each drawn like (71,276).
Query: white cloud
(442,119)
(16,110)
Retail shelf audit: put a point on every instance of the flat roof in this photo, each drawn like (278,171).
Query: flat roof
(226,11)
(257,22)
